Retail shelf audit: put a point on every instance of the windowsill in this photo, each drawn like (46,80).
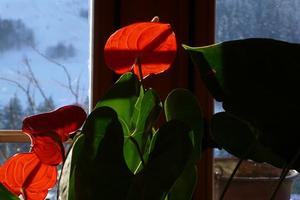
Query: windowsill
(13,136)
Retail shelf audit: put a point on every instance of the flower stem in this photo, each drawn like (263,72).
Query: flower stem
(231,178)
(285,172)
(139,65)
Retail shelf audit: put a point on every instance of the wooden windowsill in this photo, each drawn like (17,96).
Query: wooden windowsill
(17,136)
(8,136)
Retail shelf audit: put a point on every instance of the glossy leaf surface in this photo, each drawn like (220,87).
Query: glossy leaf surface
(122,98)
(152,42)
(182,105)
(25,174)
(147,111)
(137,112)
(101,165)
(67,179)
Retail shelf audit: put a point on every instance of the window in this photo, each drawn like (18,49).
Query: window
(192,21)
(44,57)
(245,19)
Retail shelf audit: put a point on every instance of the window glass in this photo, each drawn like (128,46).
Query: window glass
(44,47)
(44,51)
(275,19)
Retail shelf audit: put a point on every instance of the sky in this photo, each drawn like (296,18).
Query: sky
(53,22)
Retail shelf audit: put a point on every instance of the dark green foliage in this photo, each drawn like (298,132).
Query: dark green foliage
(121,155)
(66,187)
(182,105)
(258,80)
(5,194)
(172,151)
(101,168)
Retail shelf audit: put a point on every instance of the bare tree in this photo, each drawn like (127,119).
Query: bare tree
(31,83)
(74,89)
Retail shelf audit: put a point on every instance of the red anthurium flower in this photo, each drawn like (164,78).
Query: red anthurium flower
(49,148)
(48,130)
(62,122)
(25,174)
(152,43)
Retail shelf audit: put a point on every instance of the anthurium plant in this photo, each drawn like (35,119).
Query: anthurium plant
(257,81)
(120,151)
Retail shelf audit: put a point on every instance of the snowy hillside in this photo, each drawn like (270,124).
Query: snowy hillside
(54,23)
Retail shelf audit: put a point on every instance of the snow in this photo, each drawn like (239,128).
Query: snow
(52,21)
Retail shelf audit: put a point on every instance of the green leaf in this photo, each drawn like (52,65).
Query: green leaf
(257,80)
(166,162)
(209,61)
(122,97)
(7,195)
(102,171)
(185,185)
(240,139)
(213,56)
(232,134)
(67,179)
(137,108)
(182,105)
(147,111)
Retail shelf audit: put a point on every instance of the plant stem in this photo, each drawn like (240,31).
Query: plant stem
(139,64)
(138,149)
(284,173)
(231,178)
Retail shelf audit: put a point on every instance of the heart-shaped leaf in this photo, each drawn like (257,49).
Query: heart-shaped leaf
(122,98)
(182,105)
(102,170)
(257,79)
(153,43)
(208,59)
(241,140)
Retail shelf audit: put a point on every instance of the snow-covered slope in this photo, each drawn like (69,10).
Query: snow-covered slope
(53,22)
